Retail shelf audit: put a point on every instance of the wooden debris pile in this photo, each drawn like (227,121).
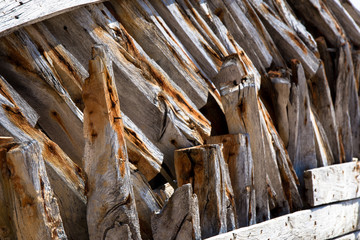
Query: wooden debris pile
(177,119)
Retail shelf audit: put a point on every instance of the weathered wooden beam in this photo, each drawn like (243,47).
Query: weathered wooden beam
(352,10)
(238,88)
(332,183)
(316,13)
(209,59)
(33,208)
(237,155)
(323,222)
(111,209)
(16,14)
(162,45)
(321,100)
(286,39)
(152,101)
(351,236)
(301,147)
(352,30)
(66,178)
(29,72)
(179,219)
(146,202)
(205,165)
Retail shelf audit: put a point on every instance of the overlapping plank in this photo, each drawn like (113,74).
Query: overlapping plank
(111,209)
(332,183)
(205,165)
(16,14)
(179,219)
(237,155)
(323,222)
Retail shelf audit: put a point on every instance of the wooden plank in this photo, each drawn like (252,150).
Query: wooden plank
(351,236)
(332,183)
(205,165)
(16,14)
(179,218)
(238,88)
(323,222)
(146,202)
(34,208)
(111,209)
(352,10)
(237,155)
(352,30)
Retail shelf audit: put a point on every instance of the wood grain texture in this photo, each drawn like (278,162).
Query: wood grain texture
(205,165)
(324,222)
(111,209)
(35,212)
(179,219)
(16,14)
(237,155)
(332,183)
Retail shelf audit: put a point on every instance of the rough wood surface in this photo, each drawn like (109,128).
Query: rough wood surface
(179,219)
(332,184)
(16,14)
(111,209)
(28,193)
(205,165)
(324,222)
(351,236)
(237,155)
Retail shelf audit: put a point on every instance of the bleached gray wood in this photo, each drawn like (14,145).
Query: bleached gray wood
(289,179)
(34,209)
(317,13)
(146,202)
(16,14)
(286,39)
(179,219)
(344,83)
(111,202)
(237,82)
(41,87)
(161,44)
(352,30)
(8,91)
(205,165)
(332,183)
(301,147)
(151,99)
(237,155)
(321,99)
(351,236)
(323,222)
(288,16)
(352,10)
(180,24)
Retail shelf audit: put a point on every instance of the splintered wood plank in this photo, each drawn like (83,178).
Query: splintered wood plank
(237,155)
(286,39)
(38,83)
(65,176)
(238,85)
(179,219)
(34,208)
(111,209)
(323,222)
(352,10)
(301,147)
(349,25)
(332,183)
(146,202)
(205,166)
(16,14)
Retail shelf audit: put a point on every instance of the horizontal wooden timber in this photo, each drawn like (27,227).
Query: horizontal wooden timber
(329,221)
(332,183)
(17,13)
